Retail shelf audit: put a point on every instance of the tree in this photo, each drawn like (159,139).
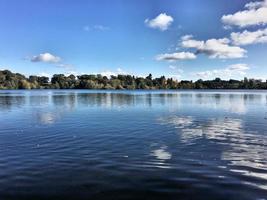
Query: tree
(9,80)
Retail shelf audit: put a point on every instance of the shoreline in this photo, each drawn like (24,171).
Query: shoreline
(10,80)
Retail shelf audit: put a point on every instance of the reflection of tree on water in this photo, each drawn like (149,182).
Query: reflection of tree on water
(38,100)
(113,100)
(10,101)
(66,100)
(230,102)
(233,102)
(245,151)
(105,99)
(61,105)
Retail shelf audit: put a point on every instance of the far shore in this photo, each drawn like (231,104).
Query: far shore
(13,81)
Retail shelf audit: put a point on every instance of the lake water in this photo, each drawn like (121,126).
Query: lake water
(89,144)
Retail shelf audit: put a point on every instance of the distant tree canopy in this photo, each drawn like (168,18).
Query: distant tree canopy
(9,80)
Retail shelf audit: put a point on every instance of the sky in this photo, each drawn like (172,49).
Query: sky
(181,39)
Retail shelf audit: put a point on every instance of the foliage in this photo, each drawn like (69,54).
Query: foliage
(9,80)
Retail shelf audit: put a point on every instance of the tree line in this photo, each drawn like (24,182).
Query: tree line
(9,80)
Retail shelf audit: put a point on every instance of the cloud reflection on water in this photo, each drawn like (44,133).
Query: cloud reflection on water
(162,156)
(245,151)
(161,153)
(46,118)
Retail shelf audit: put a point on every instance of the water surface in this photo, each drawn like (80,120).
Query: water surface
(81,144)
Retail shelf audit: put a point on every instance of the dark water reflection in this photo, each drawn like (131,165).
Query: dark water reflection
(80,144)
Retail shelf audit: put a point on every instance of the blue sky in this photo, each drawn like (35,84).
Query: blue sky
(185,39)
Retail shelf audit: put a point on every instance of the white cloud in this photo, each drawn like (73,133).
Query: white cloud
(227,27)
(96,27)
(255,14)
(49,58)
(161,22)
(65,66)
(214,48)
(4,68)
(174,76)
(173,67)
(186,37)
(228,72)
(176,69)
(118,71)
(255,4)
(177,72)
(73,72)
(46,57)
(248,37)
(189,42)
(44,74)
(176,56)
(238,67)
(101,27)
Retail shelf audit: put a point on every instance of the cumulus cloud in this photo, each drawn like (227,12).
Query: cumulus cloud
(46,57)
(161,22)
(228,72)
(255,13)
(248,37)
(52,59)
(214,48)
(256,4)
(176,56)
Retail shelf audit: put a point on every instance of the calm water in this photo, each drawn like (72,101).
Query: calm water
(81,144)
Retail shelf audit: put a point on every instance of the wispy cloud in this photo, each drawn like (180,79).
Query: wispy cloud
(44,74)
(4,67)
(118,71)
(228,72)
(65,66)
(73,72)
(161,22)
(96,27)
(173,67)
(177,72)
(176,69)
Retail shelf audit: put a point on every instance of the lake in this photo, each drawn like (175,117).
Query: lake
(90,144)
